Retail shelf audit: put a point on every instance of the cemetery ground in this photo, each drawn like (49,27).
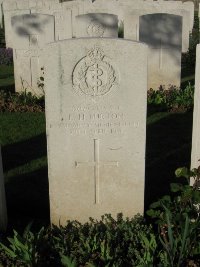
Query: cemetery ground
(23,139)
(173,240)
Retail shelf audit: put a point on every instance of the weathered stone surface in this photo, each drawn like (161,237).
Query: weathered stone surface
(97,25)
(8,27)
(195,155)
(30,34)
(163,34)
(132,18)
(3,210)
(96,123)
(63,25)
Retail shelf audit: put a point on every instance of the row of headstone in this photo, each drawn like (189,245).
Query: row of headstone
(66,12)
(166,34)
(3,210)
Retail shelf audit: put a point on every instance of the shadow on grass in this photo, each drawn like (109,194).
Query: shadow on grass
(28,200)
(168,147)
(27,193)
(20,153)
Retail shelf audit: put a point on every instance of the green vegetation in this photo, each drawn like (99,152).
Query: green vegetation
(172,99)
(22,102)
(174,241)
(6,77)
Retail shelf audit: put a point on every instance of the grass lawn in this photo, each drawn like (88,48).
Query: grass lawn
(6,77)
(23,140)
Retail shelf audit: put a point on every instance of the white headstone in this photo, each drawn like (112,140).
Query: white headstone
(63,24)
(76,8)
(95,98)
(131,23)
(63,16)
(8,27)
(3,210)
(164,6)
(195,156)
(163,34)
(30,34)
(97,25)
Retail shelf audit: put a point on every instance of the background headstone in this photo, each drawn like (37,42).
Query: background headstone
(30,34)
(3,210)
(8,27)
(97,25)
(63,24)
(163,34)
(95,99)
(132,24)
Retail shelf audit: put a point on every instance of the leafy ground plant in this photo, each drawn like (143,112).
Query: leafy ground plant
(120,241)
(108,242)
(23,249)
(178,219)
(173,99)
(20,102)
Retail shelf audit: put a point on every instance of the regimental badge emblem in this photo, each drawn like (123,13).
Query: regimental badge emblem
(94,75)
(95,29)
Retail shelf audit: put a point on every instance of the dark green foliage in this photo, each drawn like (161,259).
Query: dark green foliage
(121,241)
(108,242)
(21,102)
(121,30)
(173,99)
(178,220)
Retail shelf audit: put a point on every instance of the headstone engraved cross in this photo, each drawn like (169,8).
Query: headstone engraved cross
(97,164)
(163,34)
(31,59)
